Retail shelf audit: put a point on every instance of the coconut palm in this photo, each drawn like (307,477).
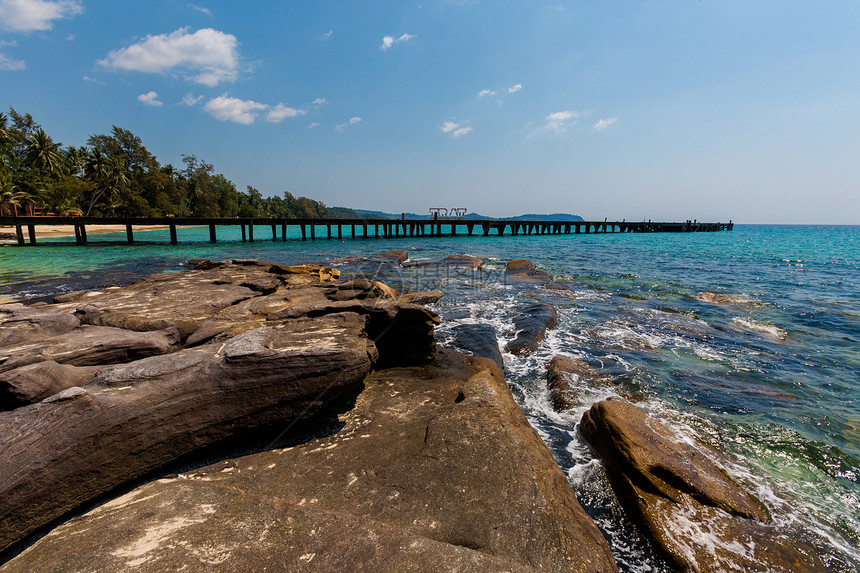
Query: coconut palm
(76,158)
(107,173)
(42,153)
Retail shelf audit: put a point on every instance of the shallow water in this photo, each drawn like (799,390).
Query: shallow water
(745,340)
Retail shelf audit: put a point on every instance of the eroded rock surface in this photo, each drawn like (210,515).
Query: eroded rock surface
(435,468)
(531,324)
(145,374)
(696,513)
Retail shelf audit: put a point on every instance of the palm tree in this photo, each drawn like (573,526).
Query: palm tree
(108,173)
(42,153)
(76,158)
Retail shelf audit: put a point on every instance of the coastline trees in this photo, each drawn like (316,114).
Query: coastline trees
(115,174)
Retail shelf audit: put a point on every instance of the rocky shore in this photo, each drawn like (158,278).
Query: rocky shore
(251,416)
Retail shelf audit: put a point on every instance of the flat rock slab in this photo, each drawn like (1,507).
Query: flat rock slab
(531,324)
(695,512)
(89,346)
(435,468)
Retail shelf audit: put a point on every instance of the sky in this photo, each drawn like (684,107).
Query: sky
(661,110)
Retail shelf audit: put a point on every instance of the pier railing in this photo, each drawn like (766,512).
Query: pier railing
(312,229)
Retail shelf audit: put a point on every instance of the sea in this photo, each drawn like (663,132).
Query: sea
(745,340)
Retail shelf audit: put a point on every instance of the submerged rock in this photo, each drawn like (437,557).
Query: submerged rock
(698,515)
(478,340)
(531,325)
(467,262)
(435,468)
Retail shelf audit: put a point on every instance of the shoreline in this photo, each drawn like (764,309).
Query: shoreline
(53,231)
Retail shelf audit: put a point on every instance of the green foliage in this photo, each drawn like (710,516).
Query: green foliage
(115,175)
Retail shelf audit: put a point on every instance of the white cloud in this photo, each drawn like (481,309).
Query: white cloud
(604,123)
(32,15)
(93,80)
(559,121)
(233,109)
(149,98)
(280,111)
(237,110)
(455,129)
(318,102)
(208,56)
(485,93)
(8,62)
(388,41)
(206,11)
(352,121)
(191,100)
(313,125)
(11,64)
(328,34)
(515,88)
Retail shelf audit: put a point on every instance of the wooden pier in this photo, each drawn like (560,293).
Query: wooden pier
(312,229)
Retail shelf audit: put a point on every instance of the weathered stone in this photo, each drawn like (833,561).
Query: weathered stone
(698,515)
(136,417)
(89,346)
(35,382)
(20,324)
(427,297)
(531,325)
(394,257)
(478,340)
(434,468)
(559,371)
(519,266)
(524,270)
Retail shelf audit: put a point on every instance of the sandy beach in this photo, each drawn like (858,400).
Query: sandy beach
(48,231)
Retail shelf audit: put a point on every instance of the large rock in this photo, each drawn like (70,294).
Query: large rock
(531,325)
(560,371)
(435,468)
(265,344)
(394,257)
(524,270)
(477,340)
(136,417)
(698,515)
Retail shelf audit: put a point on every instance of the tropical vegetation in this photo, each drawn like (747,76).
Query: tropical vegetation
(115,175)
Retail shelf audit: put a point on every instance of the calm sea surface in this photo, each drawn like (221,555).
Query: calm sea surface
(746,340)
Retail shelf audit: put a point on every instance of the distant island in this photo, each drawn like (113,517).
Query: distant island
(343,213)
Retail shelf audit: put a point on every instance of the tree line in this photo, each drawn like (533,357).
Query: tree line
(115,175)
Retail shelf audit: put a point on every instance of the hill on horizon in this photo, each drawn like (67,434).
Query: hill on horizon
(345,212)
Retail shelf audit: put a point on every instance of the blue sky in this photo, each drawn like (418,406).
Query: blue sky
(661,110)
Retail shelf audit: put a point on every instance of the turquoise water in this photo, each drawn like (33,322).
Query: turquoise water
(745,340)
